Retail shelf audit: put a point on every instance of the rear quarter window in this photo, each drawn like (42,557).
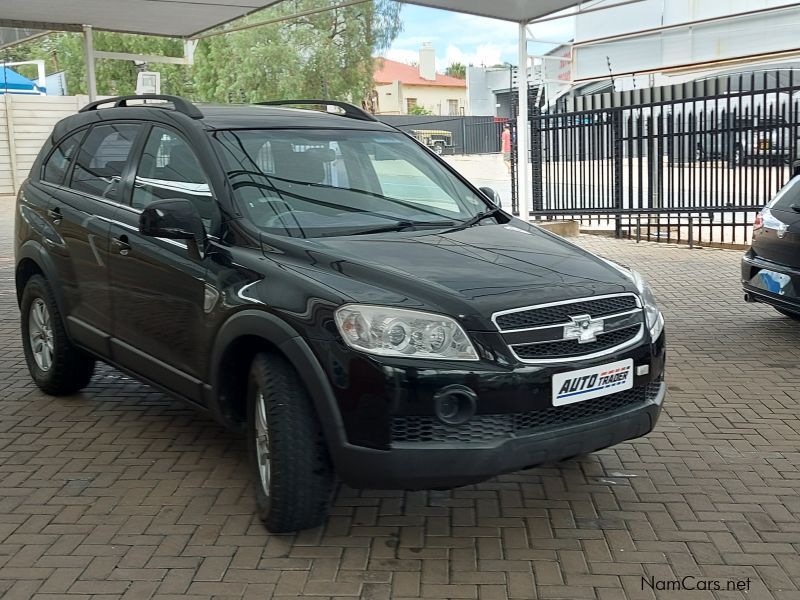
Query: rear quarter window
(55,167)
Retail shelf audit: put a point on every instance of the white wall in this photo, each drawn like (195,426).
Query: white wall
(708,42)
(25,123)
(392,98)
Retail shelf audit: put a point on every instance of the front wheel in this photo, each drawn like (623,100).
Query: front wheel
(55,365)
(788,313)
(438,147)
(292,470)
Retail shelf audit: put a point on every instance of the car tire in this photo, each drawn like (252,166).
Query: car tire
(292,469)
(56,366)
(788,313)
(438,148)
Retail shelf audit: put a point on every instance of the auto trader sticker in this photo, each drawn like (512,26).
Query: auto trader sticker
(593,382)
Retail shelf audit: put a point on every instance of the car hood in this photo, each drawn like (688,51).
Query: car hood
(469,273)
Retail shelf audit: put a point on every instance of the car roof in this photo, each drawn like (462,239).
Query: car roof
(248,116)
(219,117)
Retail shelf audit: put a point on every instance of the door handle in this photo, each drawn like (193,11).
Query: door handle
(121,245)
(55,215)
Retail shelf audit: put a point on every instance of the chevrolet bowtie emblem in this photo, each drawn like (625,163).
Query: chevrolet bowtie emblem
(583,328)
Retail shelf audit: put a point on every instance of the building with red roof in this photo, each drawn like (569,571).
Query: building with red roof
(400,87)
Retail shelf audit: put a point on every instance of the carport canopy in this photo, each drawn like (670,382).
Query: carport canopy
(188,18)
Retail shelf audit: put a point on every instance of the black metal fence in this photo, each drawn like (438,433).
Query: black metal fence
(690,163)
(470,135)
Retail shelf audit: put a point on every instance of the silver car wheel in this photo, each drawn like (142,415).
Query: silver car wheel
(262,443)
(40,333)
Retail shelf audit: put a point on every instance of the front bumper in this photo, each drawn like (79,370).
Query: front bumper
(445,466)
(515,425)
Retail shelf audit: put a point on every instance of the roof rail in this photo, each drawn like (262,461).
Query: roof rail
(181,105)
(350,111)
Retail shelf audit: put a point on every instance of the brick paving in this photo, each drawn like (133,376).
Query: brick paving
(121,493)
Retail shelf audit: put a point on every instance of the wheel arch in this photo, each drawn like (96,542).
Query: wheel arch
(239,339)
(32,259)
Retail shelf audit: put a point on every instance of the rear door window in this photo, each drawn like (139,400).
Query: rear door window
(102,159)
(56,166)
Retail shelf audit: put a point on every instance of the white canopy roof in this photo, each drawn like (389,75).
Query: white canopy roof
(506,10)
(174,18)
(185,18)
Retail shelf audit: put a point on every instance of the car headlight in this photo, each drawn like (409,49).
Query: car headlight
(387,331)
(655,320)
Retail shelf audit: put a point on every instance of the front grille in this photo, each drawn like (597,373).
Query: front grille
(493,428)
(570,348)
(560,313)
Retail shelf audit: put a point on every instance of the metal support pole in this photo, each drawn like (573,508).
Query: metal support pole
(88,52)
(523,154)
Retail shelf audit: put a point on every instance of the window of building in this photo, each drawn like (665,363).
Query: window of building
(102,159)
(452,108)
(411,104)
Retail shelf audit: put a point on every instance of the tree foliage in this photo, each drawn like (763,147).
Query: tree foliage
(457,70)
(64,52)
(327,55)
(418,109)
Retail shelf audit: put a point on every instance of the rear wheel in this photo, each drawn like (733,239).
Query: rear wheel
(289,458)
(788,313)
(55,365)
(438,147)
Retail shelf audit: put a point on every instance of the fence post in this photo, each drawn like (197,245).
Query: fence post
(536,157)
(463,136)
(616,132)
(12,143)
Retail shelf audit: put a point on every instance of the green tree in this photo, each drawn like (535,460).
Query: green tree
(457,70)
(64,52)
(326,55)
(419,110)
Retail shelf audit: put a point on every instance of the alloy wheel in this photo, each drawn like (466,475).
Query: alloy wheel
(40,333)
(262,443)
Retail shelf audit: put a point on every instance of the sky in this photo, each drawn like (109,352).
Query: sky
(466,38)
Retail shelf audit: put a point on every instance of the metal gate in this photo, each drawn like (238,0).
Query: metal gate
(690,164)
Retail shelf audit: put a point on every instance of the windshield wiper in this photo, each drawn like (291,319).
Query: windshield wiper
(478,218)
(403,225)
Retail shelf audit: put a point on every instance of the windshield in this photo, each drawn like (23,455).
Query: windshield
(318,183)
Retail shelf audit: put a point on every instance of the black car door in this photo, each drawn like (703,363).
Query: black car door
(81,210)
(779,239)
(158,287)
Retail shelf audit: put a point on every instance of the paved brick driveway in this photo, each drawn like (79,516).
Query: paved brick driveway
(119,492)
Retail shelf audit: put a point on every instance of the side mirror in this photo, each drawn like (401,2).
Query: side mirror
(175,219)
(493,196)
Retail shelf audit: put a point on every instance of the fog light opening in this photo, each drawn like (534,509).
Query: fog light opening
(455,404)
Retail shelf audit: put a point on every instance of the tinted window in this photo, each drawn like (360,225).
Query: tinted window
(788,196)
(169,169)
(102,159)
(56,166)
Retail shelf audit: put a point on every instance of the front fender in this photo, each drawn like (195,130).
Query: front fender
(272,329)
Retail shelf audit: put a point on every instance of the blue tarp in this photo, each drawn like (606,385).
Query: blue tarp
(13,82)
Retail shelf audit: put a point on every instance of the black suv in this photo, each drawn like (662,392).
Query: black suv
(332,288)
(771,267)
